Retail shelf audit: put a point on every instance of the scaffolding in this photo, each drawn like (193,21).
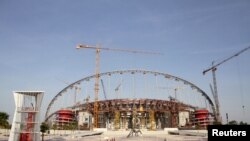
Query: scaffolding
(152,119)
(116,114)
(117,119)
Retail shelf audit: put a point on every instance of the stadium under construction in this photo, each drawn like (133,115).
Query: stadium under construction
(121,113)
(150,113)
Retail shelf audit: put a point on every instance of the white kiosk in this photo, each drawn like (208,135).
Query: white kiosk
(26,122)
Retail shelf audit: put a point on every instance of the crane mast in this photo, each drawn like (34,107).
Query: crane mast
(97,49)
(96,88)
(214,89)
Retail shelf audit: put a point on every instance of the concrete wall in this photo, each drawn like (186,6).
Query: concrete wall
(4,131)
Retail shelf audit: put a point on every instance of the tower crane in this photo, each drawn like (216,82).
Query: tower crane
(97,49)
(214,89)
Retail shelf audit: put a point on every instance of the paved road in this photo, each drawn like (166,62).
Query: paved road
(122,136)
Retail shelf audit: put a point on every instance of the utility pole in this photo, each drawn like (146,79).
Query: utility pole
(227,117)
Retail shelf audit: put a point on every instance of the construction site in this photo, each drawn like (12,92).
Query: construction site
(180,104)
(123,70)
(122,113)
(118,114)
(142,100)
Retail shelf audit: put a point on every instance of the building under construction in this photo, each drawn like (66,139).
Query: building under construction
(117,114)
(120,113)
(149,113)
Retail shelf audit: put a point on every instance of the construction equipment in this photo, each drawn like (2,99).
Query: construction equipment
(151,119)
(97,49)
(214,89)
(103,88)
(117,119)
(176,88)
(117,88)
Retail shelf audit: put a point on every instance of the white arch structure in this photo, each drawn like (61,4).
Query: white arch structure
(133,71)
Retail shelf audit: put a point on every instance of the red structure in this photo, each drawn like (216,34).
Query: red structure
(201,117)
(25,135)
(64,116)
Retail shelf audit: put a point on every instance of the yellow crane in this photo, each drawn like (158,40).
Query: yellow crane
(97,49)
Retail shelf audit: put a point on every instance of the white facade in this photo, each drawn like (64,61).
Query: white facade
(84,119)
(183,118)
(26,122)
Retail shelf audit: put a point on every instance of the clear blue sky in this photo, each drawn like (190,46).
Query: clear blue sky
(38,39)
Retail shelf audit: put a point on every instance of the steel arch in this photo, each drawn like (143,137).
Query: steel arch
(133,71)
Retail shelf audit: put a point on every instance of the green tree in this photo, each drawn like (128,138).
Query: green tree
(73,125)
(43,128)
(217,123)
(54,127)
(233,122)
(243,123)
(4,120)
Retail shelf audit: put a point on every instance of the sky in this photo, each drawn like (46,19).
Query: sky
(38,40)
